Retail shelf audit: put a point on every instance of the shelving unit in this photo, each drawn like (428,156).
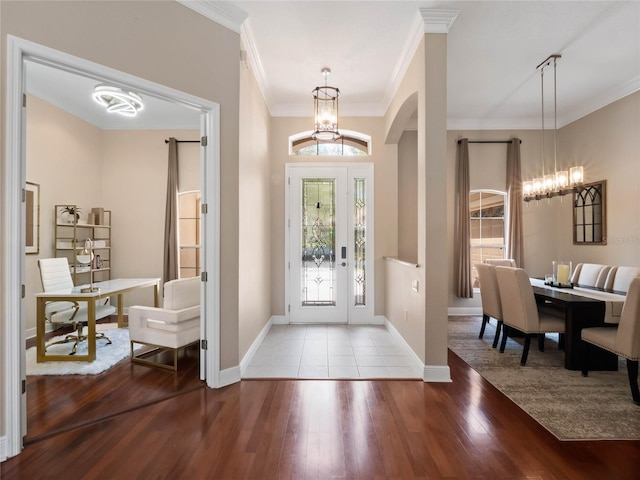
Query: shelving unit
(70,236)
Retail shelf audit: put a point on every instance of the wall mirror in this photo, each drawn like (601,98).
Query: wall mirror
(589,214)
(32,223)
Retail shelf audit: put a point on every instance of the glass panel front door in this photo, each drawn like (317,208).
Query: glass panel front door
(330,266)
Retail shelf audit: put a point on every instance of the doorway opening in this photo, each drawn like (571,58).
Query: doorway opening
(19,52)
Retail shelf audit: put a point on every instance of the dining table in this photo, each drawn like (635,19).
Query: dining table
(581,307)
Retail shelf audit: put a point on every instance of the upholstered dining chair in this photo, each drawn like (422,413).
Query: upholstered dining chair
(491,307)
(501,262)
(519,309)
(590,275)
(619,278)
(623,340)
(55,275)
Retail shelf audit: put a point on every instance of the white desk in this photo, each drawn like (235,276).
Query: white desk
(116,287)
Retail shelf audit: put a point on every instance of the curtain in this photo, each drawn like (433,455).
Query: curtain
(515,248)
(170,268)
(464,285)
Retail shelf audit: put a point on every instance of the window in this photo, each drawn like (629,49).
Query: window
(350,144)
(189,233)
(486,208)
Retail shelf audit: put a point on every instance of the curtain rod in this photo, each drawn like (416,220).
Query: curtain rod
(184,141)
(487,141)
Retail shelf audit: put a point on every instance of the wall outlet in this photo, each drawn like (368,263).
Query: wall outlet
(406,315)
(415,285)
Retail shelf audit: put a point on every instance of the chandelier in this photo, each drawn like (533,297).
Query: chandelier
(558,182)
(325,111)
(116,100)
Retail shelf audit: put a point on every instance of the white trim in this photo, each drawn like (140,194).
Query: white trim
(13,356)
(438,21)
(396,334)
(246,360)
(255,63)
(223,13)
(3,449)
(437,374)
(13,352)
(279,320)
(229,376)
(464,311)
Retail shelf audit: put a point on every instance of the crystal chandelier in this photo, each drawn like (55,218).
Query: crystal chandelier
(558,182)
(325,111)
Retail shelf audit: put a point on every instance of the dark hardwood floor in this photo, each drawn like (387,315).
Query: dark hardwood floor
(287,429)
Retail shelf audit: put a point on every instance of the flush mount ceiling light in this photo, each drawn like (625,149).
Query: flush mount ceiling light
(325,111)
(116,100)
(560,182)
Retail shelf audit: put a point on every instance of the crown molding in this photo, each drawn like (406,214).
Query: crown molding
(223,13)
(246,37)
(438,21)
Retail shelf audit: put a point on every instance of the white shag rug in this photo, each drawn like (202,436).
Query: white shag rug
(106,355)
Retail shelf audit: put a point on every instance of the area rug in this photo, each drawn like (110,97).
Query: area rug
(570,406)
(106,355)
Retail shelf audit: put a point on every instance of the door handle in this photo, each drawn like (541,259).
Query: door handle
(344,252)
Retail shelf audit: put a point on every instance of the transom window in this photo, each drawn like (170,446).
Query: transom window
(486,208)
(349,144)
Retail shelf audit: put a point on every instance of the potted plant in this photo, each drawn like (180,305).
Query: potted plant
(71,211)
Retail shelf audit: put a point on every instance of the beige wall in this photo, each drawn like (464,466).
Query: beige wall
(64,156)
(169,44)
(254,264)
(408,196)
(607,144)
(120,170)
(384,158)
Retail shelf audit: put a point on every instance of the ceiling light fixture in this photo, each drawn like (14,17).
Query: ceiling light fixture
(116,100)
(560,182)
(325,111)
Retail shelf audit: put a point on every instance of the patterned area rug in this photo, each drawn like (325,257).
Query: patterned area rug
(570,406)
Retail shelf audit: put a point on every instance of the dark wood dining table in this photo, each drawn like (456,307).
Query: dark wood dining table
(578,311)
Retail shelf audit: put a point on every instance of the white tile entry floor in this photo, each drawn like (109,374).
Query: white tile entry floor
(332,351)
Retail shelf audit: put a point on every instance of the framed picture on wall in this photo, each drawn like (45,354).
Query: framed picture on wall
(32,221)
(589,214)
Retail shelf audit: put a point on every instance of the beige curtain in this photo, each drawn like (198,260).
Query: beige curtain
(464,285)
(170,269)
(515,248)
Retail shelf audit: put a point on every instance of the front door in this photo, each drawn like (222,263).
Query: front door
(330,243)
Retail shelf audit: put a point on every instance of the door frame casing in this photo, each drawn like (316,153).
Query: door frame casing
(12,226)
(362,315)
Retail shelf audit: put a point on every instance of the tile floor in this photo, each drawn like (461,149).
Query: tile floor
(332,351)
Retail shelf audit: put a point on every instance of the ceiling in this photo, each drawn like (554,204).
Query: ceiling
(493,49)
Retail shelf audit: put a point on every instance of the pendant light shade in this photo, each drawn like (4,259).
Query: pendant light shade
(325,111)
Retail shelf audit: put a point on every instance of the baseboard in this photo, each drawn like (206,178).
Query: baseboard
(229,376)
(246,360)
(3,449)
(400,338)
(279,320)
(30,333)
(437,373)
(464,311)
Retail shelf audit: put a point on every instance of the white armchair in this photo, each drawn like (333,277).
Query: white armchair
(175,325)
